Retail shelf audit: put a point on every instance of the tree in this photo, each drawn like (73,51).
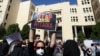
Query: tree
(25,31)
(95,31)
(12,29)
(81,36)
(2,32)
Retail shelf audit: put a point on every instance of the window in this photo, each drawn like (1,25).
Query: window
(0,11)
(87,9)
(73,10)
(89,18)
(8,8)
(10,1)
(1,0)
(88,2)
(59,20)
(82,3)
(84,10)
(71,20)
(90,9)
(85,18)
(5,24)
(85,2)
(92,18)
(6,16)
(74,19)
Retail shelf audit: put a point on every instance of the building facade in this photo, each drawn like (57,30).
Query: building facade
(15,11)
(25,12)
(71,18)
(8,11)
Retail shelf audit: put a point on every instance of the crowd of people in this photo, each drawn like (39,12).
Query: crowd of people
(94,50)
(55,47)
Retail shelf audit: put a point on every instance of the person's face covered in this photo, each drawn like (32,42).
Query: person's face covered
(40,48)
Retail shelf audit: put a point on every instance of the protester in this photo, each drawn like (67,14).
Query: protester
(81,51)
(98,50)
(36,39)
(89,52)
(40,46)
(16,49)
(71,48)
(93,49)
(58,48)
(84,48)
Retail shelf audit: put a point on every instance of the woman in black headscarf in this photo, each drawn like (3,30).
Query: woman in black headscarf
(71,48)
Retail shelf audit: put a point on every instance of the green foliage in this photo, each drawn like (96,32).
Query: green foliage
(12,29)
(25,32)
(95,31)
(2,32)
(81,36)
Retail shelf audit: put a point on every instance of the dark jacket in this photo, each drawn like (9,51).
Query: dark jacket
(19,51)
(48,51)
(71,48)
(4,49)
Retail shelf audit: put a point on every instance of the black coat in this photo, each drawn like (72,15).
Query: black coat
(48,51)
(4,49)
(19,51)
(71,48)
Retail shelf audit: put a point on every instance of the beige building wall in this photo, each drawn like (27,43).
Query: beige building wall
(10,11)
(25,13)
(68,16)
(3,7)
(13,12)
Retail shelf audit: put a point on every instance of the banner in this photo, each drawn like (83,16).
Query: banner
(13,37)
(44,20)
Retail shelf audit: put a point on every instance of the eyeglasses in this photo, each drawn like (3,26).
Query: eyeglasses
(39,47)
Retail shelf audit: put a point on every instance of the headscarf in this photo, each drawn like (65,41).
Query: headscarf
(71,48)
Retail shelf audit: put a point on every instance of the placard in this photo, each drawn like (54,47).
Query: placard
(44,20)
(13,37)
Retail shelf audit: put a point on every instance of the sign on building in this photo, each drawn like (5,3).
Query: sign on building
(44,20)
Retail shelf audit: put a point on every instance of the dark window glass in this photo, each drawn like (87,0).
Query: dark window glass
(76,20)
(10,1)
(86,20)
(4,24)
(1,0)
(90,9)
(6,16)
(8,8)
(82,3)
